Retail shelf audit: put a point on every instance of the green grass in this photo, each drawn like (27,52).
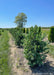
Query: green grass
(4,54)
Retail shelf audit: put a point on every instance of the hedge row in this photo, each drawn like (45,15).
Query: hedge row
(32,42)
(18,36)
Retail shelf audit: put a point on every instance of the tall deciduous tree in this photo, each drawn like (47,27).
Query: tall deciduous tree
(20,20)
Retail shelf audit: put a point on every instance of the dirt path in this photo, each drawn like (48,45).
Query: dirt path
(50,59)
(19,63)
(46,39)
(13,55)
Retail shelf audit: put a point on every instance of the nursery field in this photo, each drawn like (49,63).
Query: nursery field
(4,53)
(27,37)
(11,48)
(29,45)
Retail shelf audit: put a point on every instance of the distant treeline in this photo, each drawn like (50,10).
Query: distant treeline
(26,28)
(45,27)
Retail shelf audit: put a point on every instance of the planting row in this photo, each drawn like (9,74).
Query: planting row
(32,42)
(4,54)
(34,47)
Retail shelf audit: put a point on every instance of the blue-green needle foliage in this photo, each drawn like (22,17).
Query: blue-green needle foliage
(4,54)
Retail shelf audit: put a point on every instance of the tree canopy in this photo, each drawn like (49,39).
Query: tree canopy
(20,20)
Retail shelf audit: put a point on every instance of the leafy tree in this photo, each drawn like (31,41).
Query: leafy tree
(21,19)
(34,47)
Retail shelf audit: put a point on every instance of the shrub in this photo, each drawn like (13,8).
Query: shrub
(51,35)
(31,29)
(23,29)
(27,30)
(19,37)
(34,47)
(13,31)
(39,29)
(0,32)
